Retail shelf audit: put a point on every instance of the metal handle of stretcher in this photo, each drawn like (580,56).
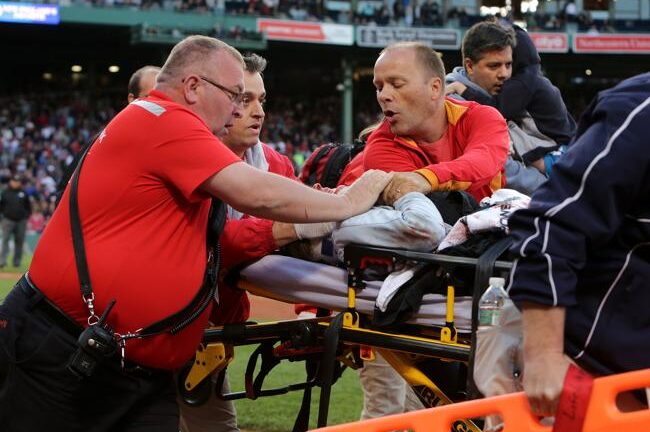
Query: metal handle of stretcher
(355,253)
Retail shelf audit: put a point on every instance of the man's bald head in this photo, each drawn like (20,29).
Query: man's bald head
(428,58)
(142,82)
(191,54)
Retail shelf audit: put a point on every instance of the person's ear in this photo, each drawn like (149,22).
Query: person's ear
(190,89)
(437,87)
(469,66)
(131,97)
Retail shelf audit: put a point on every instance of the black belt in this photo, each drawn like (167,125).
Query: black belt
(49,309)
(56,316)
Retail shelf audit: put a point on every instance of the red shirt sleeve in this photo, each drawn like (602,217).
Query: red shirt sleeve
(479,135)
(383,152)
(483,134)
(242,241)
(181,158)
(279,163)
(246,239)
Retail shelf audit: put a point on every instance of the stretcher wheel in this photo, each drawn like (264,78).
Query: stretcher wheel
(199,394)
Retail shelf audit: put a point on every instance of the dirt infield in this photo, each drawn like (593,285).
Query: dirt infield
(265,309)
(10,276)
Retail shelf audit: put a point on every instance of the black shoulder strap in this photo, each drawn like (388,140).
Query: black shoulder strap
(70,169)
(313,169)
(77,233)
(357,147)
(340,158)
(181,319)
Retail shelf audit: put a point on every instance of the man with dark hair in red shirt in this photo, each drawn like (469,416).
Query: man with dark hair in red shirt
(144,192)
(245,237)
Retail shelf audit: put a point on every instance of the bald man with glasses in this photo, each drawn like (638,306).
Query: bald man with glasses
(143,197)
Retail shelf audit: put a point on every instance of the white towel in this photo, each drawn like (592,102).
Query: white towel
(392,284)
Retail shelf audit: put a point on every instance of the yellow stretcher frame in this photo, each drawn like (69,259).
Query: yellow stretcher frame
(402,351)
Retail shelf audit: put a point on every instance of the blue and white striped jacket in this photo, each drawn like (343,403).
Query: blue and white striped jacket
(584,243)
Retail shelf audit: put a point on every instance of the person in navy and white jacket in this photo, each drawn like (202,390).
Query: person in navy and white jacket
(583,250)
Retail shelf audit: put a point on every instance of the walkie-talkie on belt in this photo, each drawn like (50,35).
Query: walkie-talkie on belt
(96,343)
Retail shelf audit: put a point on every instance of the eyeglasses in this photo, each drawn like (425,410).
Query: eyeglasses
(235,97)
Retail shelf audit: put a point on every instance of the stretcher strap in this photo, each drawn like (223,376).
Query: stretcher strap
(269,361)
(574,400)
(331,343)
(302,420)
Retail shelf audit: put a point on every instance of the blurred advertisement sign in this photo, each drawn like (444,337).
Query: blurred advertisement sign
(28,13)
(300,31)
(550,42)
(379,37)
(612,43)
(335,5)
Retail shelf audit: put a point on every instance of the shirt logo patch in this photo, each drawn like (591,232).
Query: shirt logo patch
(4,324)
(153,108)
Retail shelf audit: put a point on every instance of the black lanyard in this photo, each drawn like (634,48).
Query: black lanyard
(177,321)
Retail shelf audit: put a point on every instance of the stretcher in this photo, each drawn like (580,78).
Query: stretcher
(432,350)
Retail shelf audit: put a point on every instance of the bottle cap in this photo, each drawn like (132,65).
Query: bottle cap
(497,281)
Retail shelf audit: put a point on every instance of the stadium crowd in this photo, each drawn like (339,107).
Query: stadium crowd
(423,13)
(40,135)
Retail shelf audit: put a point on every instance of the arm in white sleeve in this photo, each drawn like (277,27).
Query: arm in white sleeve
(414,223)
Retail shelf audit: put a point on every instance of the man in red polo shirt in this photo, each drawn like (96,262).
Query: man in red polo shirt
(144,195)
(430,141)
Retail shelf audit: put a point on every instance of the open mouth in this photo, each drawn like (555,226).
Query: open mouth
(389,114)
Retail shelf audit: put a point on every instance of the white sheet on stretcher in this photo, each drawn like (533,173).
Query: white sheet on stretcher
(297,281)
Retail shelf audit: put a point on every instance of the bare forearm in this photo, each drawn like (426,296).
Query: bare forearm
(284,233)
(283,200)
(545,364)
(543,329)
(271,196)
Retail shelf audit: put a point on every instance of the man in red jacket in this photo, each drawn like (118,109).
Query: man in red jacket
(430,141)
(246,238)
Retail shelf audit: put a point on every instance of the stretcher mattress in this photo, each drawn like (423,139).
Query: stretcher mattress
(293,280)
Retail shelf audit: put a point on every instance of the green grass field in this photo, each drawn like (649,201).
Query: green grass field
(277,413)
(7,283)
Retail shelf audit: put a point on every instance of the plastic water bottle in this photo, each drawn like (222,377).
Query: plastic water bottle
(492,303)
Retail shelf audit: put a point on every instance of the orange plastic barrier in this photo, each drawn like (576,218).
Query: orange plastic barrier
(602,414)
